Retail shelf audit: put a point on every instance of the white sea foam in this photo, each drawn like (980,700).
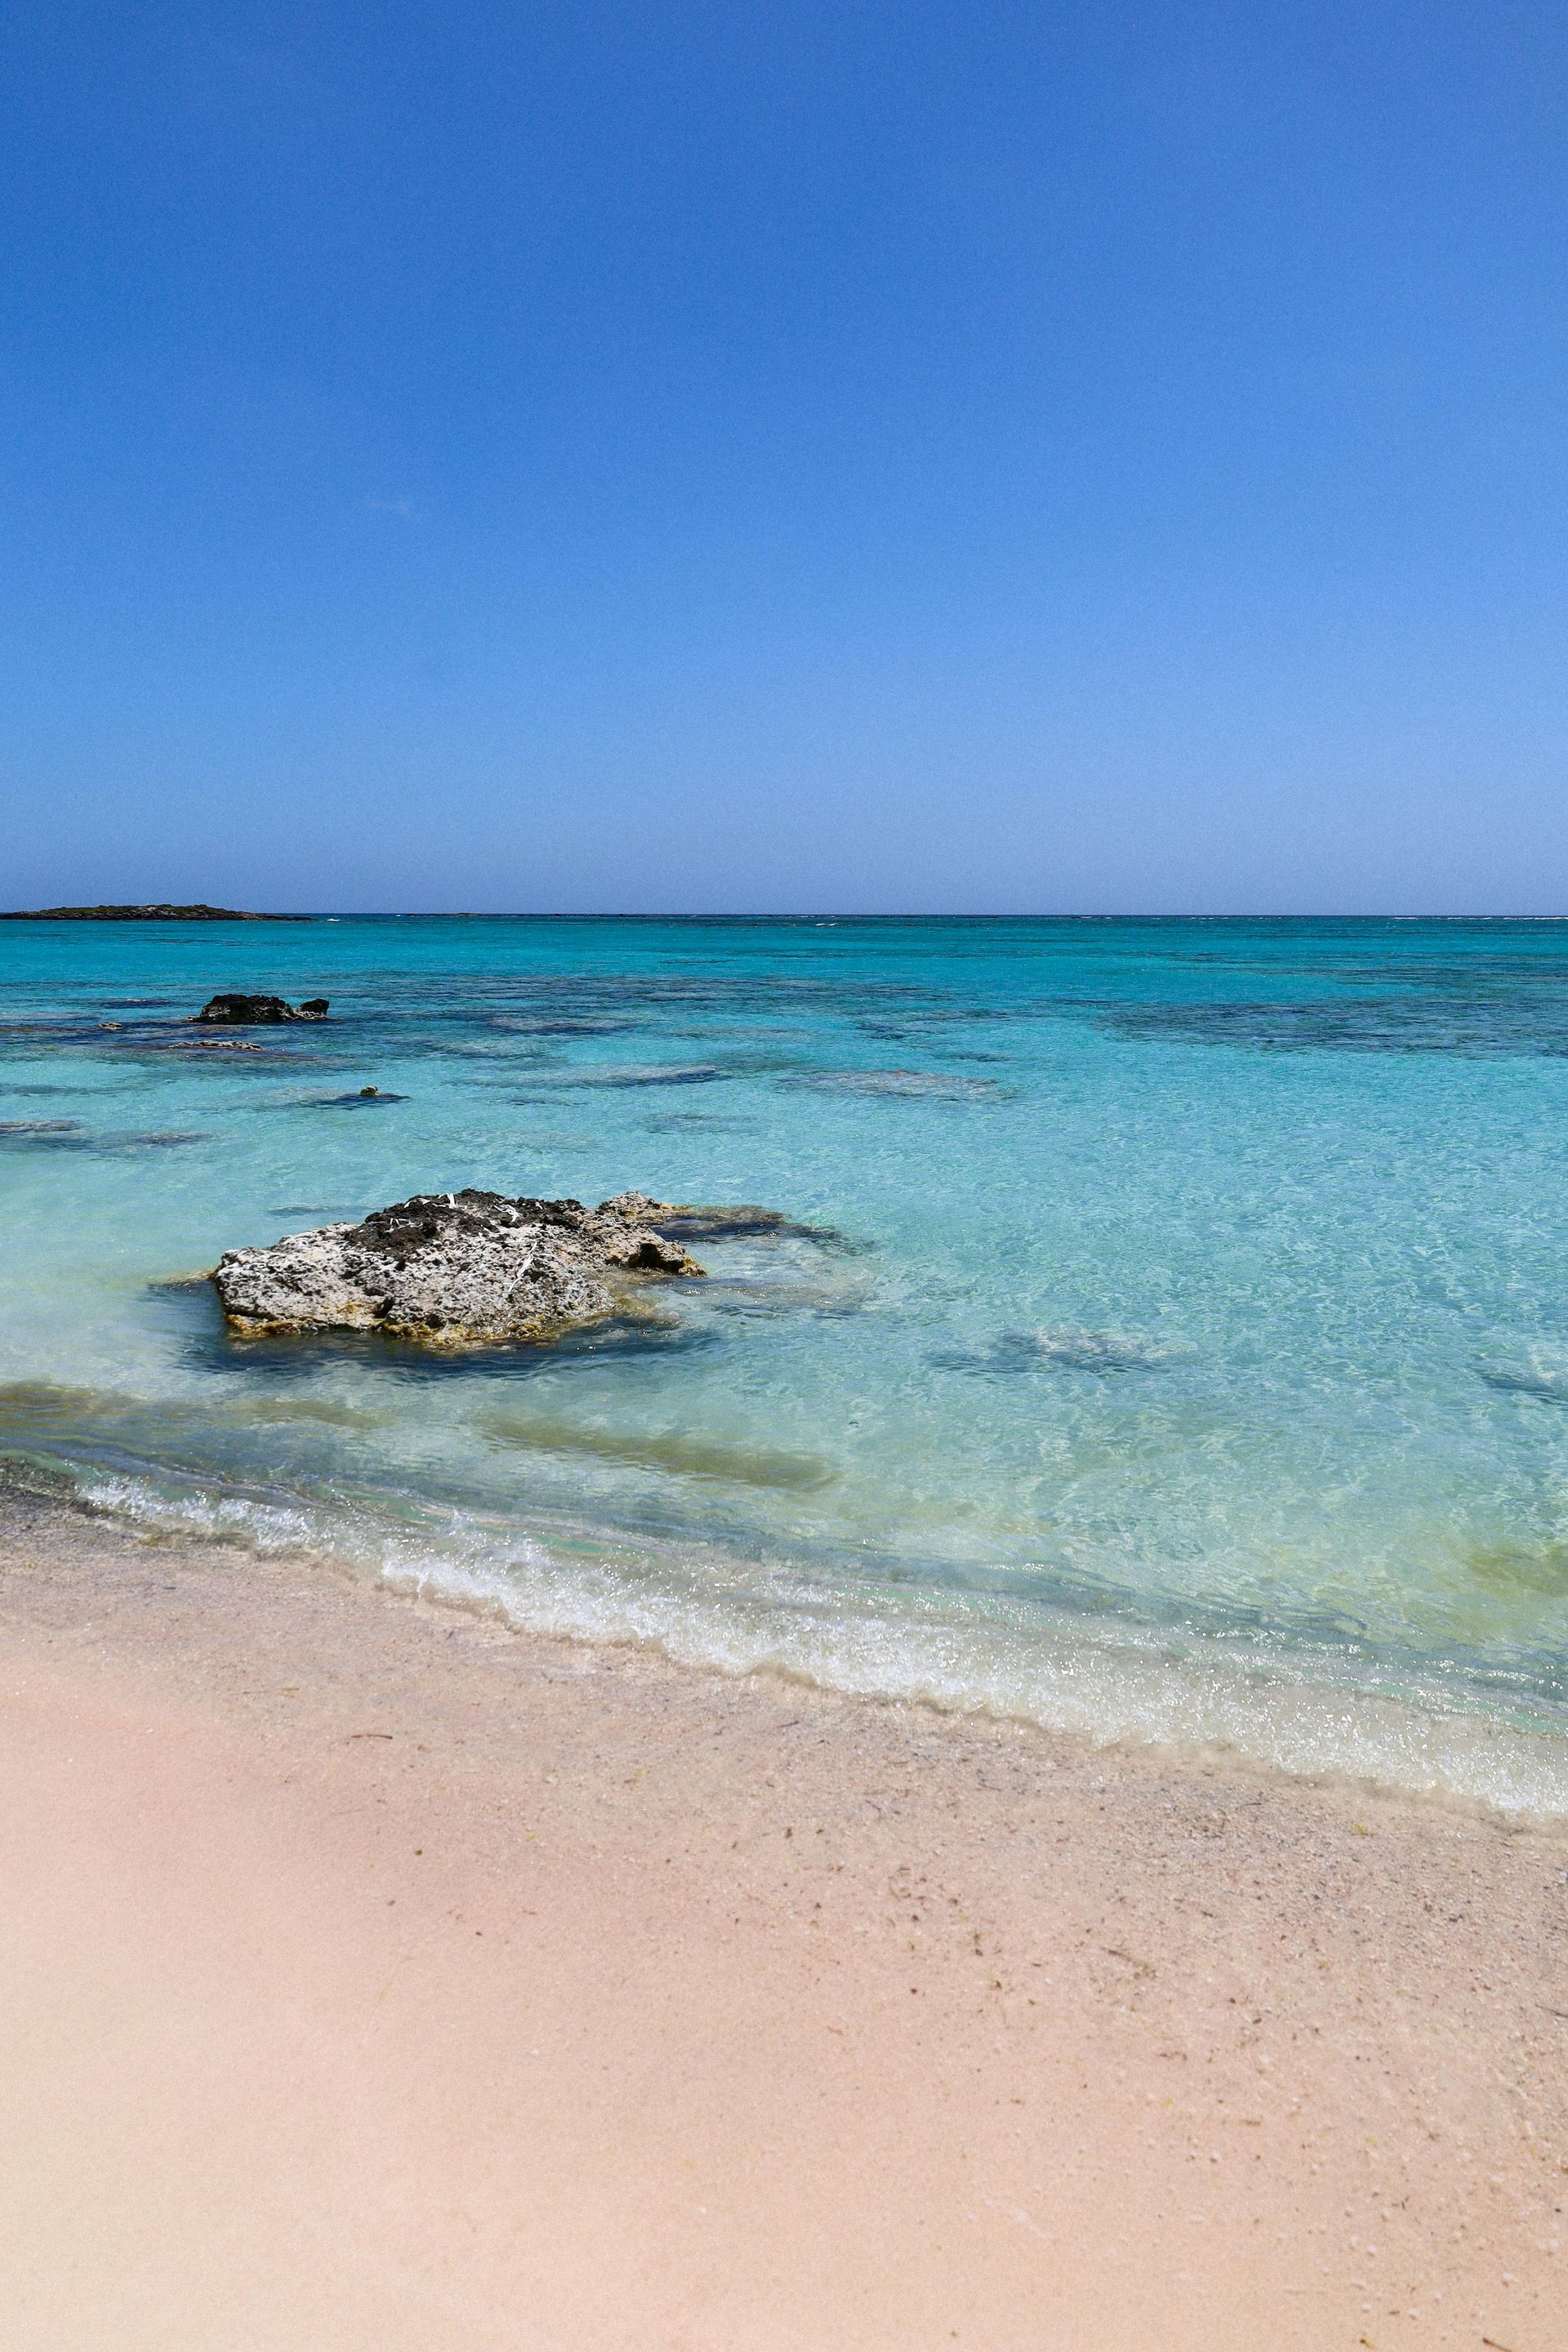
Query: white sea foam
(1025,1667)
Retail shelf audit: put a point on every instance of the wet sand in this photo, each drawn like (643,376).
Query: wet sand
(379,1977)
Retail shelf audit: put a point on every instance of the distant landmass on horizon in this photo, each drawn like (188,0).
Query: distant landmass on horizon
(144,915)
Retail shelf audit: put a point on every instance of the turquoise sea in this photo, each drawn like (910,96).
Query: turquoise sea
(1180,1351)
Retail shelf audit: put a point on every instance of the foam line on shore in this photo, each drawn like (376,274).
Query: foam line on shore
(1132,1686)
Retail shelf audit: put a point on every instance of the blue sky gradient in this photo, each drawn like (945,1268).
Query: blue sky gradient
(591,457)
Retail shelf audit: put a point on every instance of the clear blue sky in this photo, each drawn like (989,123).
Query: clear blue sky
(1037,458)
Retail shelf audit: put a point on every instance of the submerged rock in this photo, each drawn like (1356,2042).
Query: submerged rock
(452,1268)
(744,1222)
(236,1010)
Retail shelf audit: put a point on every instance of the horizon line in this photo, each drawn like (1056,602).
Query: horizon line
(744,914)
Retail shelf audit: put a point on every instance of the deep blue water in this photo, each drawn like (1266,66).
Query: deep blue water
(1182,1349)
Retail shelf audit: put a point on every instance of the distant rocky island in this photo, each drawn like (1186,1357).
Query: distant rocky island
(143,915)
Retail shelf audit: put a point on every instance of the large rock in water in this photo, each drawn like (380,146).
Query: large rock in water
(452,1268)
(236,1010)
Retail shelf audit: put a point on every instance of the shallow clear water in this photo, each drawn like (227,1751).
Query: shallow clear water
(1182,1351)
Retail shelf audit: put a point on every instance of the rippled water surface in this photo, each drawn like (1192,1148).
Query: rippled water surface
(1175,1341)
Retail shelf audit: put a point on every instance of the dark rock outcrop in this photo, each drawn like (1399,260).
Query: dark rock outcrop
(453,1268)
(237,1010)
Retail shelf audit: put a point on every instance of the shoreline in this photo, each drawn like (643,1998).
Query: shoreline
(1206,1702)
(389,1975)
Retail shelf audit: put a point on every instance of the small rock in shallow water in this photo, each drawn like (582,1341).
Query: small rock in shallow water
(236,1010)
(452,1268)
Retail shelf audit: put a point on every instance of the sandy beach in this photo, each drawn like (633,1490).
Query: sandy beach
(380,1976)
